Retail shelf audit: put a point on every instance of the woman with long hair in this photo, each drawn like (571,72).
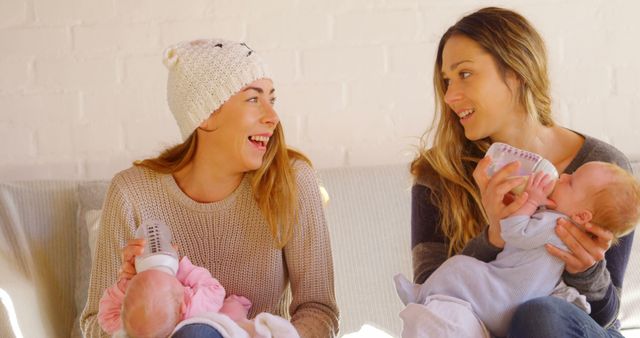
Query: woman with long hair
(238,201)
(491,85)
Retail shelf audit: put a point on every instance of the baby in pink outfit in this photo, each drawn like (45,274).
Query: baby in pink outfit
(153,301)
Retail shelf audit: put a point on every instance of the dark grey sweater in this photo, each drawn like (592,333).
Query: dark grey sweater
(601,283)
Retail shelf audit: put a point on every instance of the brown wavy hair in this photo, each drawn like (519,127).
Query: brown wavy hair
(447,166)
(274,183)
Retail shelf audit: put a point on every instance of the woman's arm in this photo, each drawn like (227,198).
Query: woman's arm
(428,246)
(480,248)
(117,226)
(497,201)
(601,283)
(488,244)
(314,312)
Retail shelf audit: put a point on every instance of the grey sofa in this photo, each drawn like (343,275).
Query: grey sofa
(45,255)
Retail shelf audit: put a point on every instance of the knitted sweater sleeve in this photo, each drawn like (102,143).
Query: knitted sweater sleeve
(314,312)
(117,226)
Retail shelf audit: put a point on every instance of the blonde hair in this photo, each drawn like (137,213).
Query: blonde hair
(274,183)
(617,204)
(448,165)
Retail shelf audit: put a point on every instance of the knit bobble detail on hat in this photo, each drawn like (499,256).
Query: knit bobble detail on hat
(170,57)
(204,74)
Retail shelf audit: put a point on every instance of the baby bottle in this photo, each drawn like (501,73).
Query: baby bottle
(158,252)
(503,154)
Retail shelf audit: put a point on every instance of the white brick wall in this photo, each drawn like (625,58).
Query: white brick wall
(82,83)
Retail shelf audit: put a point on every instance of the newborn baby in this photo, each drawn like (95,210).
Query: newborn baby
(154,301)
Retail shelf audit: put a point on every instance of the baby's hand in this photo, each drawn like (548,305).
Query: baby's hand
(134,248)
(539,186)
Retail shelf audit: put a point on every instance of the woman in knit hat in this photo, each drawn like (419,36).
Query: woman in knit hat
(237,200)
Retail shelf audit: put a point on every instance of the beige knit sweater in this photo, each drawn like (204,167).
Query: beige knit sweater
(230,238)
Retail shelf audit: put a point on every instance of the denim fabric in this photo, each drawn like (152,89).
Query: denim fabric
(553,317)
(197,330)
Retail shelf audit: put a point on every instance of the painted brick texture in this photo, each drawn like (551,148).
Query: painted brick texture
(82,85)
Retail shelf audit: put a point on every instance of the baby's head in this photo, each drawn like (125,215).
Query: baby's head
(601,193)
(153,304)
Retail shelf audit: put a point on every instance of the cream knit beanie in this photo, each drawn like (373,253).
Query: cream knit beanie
(204,74)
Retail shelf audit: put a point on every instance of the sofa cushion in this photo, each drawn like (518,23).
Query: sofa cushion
(90,197)
(37,240)
(368,215)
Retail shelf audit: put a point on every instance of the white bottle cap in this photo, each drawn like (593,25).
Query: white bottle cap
(157,261)
(158,252)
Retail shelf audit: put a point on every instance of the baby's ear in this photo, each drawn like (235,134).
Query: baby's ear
(582,217)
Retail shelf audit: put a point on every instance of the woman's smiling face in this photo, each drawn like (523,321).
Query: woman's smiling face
(478,92)
(241,128)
